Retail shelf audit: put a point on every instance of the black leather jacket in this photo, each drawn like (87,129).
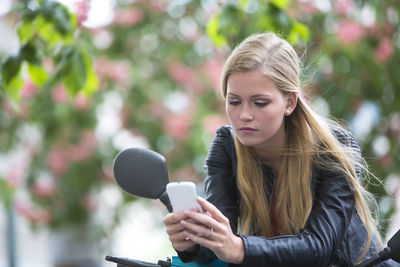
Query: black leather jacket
(333,236)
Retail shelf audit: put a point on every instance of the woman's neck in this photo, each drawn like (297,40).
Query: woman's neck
(272,161)
(271,154)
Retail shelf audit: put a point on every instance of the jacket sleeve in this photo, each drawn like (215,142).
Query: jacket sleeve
(316,244)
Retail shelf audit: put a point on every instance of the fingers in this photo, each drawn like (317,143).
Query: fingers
(215,213)
(213,243)
(178,237)
(173,218)
(207,220)
(199,229)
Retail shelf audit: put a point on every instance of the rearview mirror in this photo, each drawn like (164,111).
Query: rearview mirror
(141,172)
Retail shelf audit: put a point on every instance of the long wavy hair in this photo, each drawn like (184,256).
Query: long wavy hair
(309,142)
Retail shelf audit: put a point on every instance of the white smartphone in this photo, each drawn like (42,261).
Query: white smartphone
(182,196)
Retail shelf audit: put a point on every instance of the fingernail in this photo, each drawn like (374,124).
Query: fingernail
(186,233)
(200,198)
(183,222)
(186,212)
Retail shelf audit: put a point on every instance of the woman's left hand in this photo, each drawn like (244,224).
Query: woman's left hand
(214,232)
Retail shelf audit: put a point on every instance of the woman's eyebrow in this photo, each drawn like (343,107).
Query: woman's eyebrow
(232,95)
(261,95)
(253,96)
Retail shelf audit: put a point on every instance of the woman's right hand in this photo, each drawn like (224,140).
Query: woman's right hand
(175,231)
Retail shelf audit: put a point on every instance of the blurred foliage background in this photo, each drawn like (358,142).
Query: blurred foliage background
(82,85)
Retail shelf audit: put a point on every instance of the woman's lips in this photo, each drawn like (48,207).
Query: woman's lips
(247,130)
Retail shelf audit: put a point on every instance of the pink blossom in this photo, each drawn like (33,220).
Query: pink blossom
(157,6)
(118,71)
(36,215)
(82,102)
(15,177)
(185,76)
(44,187)
(78,153)
(308,8)
(84,149)
(60,94)
(385,50)
(177,126)
(157,110)
(343,7)
(89,203)
(212,122)
(128,17)
(29,90)
(82,10)
(48,64)
(213,70)
(57,161)
(23,207)
(108,174)
(20,109)
(17,169)
(88,140)
(350,32)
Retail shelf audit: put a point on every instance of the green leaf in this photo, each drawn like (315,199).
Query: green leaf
(10,68)
(242,4)
(14,86)
(282,4)
(266,23)
(62,20)
(47,32)
(26,26)
(47,8)
(92,83)
(30,54)
(213,32)
(38,74)
(75,74)
(25,31)
(299,32)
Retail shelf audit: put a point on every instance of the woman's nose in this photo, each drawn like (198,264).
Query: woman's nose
(245,114)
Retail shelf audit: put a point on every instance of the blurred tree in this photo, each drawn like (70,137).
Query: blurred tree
(154,84)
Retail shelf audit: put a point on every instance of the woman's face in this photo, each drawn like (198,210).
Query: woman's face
(256,109)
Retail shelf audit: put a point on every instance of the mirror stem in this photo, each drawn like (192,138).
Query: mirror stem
(165,200)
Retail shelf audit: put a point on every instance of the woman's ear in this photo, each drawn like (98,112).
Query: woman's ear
(291,102)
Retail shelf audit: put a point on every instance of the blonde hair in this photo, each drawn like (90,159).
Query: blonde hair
(313,143)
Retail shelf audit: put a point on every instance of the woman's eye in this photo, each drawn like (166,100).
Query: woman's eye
(261,104)
(234,102)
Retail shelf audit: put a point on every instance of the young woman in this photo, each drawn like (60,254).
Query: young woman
(282,183)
